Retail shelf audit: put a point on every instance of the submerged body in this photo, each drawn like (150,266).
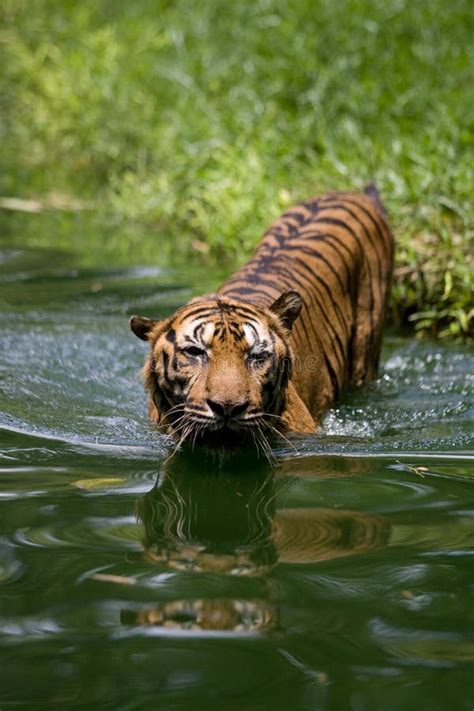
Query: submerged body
(337,252)
(278,342)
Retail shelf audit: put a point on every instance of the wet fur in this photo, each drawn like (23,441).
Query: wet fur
(330,258)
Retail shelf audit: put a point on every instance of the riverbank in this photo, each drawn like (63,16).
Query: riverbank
(184,130)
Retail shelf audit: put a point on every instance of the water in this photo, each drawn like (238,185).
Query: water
(342,581)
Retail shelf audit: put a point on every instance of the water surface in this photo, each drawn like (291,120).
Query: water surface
(341,581)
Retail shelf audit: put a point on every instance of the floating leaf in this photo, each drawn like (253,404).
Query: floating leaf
(91,484)
(118,579)
(419,471)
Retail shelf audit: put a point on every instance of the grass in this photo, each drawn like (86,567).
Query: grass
(186,127)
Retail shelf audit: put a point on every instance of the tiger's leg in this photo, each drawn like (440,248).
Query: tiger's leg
(367,336)
(374,287)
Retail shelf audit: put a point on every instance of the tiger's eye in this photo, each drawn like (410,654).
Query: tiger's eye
(259,358)
(193,351)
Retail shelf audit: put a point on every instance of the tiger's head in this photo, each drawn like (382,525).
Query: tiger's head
(218,368)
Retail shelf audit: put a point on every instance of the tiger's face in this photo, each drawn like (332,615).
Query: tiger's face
(218,368)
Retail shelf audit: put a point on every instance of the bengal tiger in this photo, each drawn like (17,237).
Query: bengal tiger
(283,336)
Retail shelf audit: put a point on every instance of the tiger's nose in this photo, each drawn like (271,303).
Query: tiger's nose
(226,409)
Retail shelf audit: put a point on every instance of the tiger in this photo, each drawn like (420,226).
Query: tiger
(281,339)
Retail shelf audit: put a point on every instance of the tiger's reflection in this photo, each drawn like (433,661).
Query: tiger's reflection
(229,523)
(216,614)
(204,521)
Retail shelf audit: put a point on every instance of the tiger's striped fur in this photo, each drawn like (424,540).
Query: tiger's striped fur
(337,252)
(330,257)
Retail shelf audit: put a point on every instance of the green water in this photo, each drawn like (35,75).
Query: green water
(342,581)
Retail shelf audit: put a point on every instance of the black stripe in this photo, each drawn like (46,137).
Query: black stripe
(367,233)
(289,282)
(332,373)
(345,226)
(254,278)
(335,305)
(330,330)
(246,290)
(308,268)
(298,216)
(323,237)
(332,376)
(296,246)
(300,322)
(204,311)
(340,223)
(197,329)
(376,223)
(166,361)
(281,271)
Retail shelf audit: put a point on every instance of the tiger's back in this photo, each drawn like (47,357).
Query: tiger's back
(337,251)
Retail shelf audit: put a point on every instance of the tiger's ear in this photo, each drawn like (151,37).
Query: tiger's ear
(142,326)
(287,307)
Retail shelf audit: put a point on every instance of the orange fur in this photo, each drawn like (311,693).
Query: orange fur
(247,351)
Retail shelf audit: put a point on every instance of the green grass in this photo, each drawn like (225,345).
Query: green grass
(187,126)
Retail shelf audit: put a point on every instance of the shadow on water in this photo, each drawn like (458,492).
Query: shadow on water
(228,522)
